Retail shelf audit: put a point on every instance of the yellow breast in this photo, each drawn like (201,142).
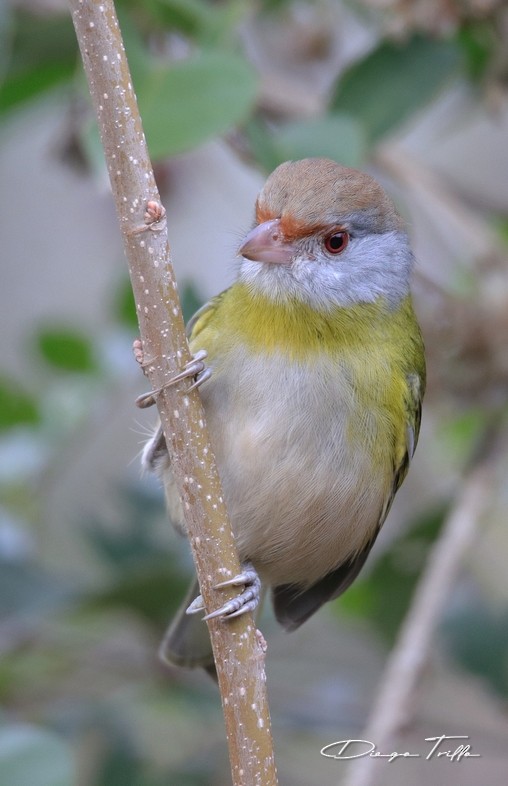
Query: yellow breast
(307,413)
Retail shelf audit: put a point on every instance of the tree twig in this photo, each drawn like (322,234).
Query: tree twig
(238,653)
(392,709)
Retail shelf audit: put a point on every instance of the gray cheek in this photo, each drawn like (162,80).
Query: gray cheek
(372,266)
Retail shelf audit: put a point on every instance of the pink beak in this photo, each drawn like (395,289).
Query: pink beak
(266,243)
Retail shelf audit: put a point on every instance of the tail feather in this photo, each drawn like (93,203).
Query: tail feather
(187,642)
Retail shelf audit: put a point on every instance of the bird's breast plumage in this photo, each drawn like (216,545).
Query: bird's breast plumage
(306,414)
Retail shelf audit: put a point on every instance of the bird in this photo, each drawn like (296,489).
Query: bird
(312,389)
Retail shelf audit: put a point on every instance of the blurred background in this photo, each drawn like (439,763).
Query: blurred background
(414,91)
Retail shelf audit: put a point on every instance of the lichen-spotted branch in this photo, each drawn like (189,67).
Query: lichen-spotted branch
(237,650)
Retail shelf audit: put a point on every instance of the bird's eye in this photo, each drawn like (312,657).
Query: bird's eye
(336,242)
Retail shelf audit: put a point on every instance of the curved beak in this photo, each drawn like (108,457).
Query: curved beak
(266,243)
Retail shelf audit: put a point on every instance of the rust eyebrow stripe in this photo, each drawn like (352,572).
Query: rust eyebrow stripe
(292,228)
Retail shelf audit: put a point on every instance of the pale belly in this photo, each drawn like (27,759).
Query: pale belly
(299,483)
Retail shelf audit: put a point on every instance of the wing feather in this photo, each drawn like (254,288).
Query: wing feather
(292,605)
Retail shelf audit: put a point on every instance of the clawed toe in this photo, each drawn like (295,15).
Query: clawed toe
(247,600)
(248,576)
(196,606)
(194,368)
(201,377)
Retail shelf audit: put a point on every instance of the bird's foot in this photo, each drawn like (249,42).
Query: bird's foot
(247,600)
(195,369)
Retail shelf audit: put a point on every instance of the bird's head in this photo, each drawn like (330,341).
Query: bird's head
(327,235)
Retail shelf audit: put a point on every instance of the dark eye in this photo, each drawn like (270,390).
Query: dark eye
(336,242)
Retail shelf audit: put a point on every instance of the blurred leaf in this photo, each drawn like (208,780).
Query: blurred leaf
(192,17)
(152,590)
(16,406)
(384,595)
(477,636)
(42,37)
(90,151)
(501,227)
(32,757)
(477,40)
(121,549)
(262,144)
(42,54)
(27,591)
(203,21)
(273,5)
(149,576)
(394,81)
(66,349)
(461,433)
(22,87)
(338,136)
(136,47)
(190,299)
(124,306)
(191,101)
(133,540)
(6,27)
(121,763)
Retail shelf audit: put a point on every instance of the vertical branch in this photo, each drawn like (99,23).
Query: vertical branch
(238,654)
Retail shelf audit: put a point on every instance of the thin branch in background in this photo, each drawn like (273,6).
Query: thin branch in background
(237,650)
(392,709)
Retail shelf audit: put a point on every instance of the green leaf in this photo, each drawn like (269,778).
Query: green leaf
(28,592)
(66,349)
(153,590)
(461,433)
(478,42)
(477,636)
(203,21)
(262,144)
(16,406)
(385,593)
(42,54)
(394,81)
(6,24)
(338,136)
(501,227)
(33,757)
(41,38)
(194,100)
(29,84)
(190,300)
(124,306)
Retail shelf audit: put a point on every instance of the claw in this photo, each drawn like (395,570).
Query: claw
(196,606)
(247,600)
(194,368)
(248,576)
(147,399)
(201,377)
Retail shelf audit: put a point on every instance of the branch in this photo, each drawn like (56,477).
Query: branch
(239,656)
(392,710)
